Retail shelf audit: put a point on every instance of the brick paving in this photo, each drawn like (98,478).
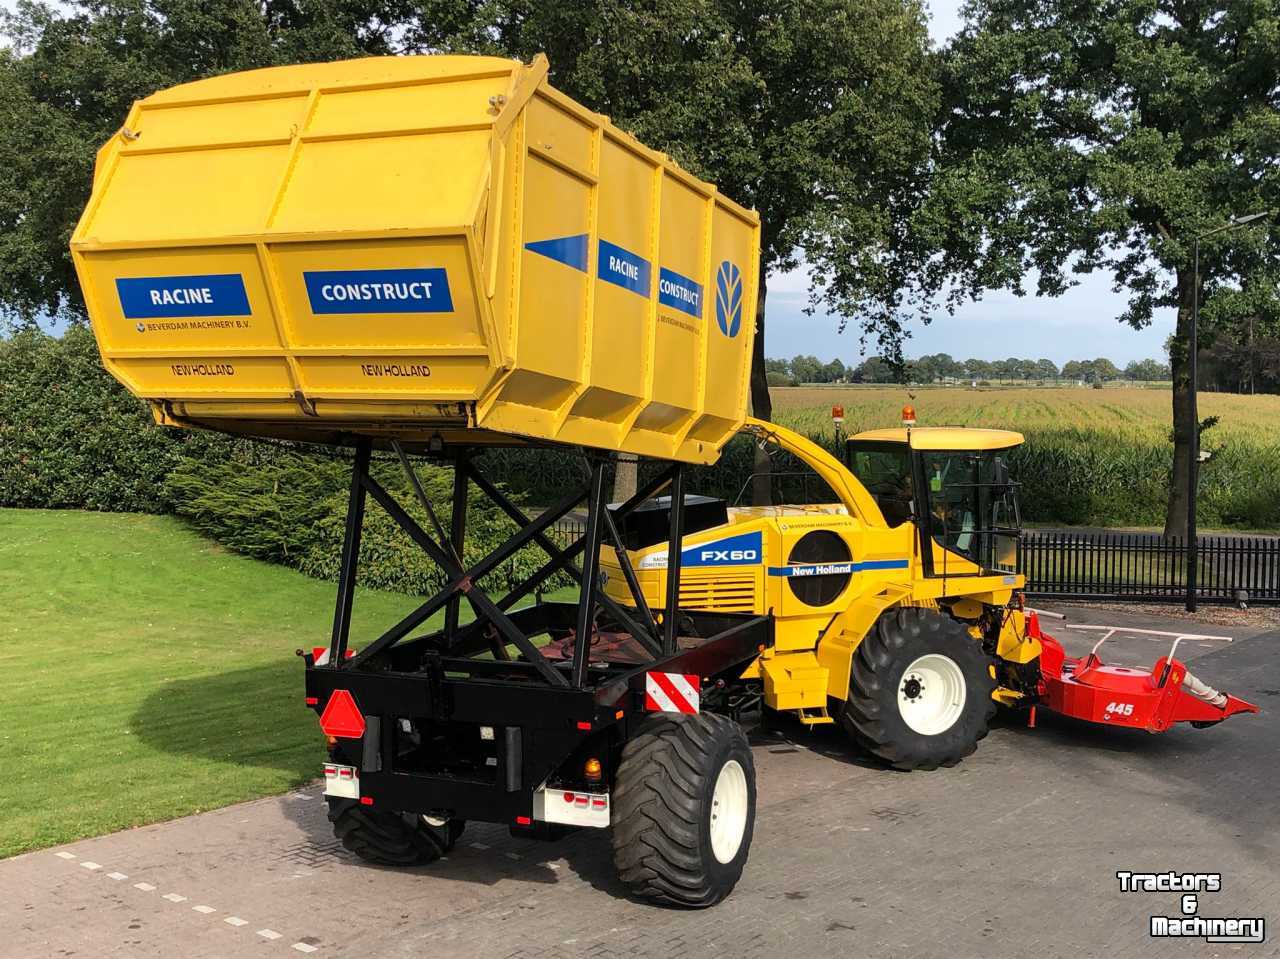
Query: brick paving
(1012,853)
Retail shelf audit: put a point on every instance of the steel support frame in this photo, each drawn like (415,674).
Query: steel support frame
(446,553)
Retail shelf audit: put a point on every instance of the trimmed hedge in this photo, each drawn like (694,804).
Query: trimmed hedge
(71,437)
(292,510)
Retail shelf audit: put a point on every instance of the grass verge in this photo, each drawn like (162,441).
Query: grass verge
(147,673)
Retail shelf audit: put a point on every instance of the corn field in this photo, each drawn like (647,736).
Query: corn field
(1091,457)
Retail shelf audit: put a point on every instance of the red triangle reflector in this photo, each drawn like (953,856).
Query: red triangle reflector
(342,717)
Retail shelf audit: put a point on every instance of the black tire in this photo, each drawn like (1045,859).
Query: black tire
(390,838)
(663,806)
(871,714)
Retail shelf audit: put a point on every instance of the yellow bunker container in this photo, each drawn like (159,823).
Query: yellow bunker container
(402,246)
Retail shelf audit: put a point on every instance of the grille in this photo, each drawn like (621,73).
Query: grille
(727,594)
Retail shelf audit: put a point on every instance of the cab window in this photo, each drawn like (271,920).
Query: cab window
(885,471)
(973,506)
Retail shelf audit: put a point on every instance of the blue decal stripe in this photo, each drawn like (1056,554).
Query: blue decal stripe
(853,567)
(623,268)
(569,250)
(741,550)
(170,297)
(680,292)
(347,292)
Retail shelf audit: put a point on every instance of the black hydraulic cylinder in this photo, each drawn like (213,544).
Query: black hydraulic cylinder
(673,561)
(457,536)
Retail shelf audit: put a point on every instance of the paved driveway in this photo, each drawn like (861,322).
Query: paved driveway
(1012,853)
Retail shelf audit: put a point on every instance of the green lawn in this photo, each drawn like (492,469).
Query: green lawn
(146,673)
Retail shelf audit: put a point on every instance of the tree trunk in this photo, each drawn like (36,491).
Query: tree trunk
(761,403)
(625,477)
(1175,523)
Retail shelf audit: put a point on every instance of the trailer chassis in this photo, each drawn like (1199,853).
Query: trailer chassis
(452,725)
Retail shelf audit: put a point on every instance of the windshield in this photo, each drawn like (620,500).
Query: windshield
(973,506)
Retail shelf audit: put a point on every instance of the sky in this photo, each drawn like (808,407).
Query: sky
(1081,324)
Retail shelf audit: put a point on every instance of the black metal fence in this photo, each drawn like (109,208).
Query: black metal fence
(1140,567)
(1101,564)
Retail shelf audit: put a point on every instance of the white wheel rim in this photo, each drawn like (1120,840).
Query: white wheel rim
(931,694)
(728,811)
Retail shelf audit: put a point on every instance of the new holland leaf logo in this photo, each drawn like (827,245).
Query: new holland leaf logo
(729,299)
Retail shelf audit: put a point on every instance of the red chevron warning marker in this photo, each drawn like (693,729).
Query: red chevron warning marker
(671,692)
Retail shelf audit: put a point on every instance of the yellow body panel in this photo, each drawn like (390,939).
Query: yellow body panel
(1014,645)
(795,681)
(743,567)
(945,437)
(399,245)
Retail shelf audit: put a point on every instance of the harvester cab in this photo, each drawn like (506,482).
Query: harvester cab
(953,485)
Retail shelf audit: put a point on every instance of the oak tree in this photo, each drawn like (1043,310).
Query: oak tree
(1105,135)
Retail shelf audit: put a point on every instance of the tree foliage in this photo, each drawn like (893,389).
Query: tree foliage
(1104,135)
(71,73)
(942,368)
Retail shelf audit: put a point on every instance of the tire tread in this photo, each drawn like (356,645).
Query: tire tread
(658,808)
(898,633)
(385,838)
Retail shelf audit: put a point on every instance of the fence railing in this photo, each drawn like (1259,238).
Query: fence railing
(1147,566)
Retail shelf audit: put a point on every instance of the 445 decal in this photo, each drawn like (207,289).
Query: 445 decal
(1117,709)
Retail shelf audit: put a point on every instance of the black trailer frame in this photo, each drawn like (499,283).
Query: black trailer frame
(454,725)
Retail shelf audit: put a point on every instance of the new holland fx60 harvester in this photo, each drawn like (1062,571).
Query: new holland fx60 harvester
(433,256)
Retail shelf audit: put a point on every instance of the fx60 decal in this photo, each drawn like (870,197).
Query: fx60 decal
(735,551)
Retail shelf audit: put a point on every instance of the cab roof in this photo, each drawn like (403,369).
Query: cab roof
(944,437)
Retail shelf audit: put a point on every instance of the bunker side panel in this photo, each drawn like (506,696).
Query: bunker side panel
(613,289)
(308,241)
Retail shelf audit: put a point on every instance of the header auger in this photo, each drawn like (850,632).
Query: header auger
(431,256)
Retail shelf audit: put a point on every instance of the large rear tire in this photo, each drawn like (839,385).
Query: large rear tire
(390,838)
(684,809)
(920,690)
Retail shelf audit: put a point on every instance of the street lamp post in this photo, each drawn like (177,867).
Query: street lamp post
(1193,467)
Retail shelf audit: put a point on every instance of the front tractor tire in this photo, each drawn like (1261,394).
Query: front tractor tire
(390,838)
(684,809)
(919,690)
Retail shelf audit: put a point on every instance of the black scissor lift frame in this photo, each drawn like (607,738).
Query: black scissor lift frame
(468,721)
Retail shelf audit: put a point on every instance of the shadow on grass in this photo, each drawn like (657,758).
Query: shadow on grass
(250,717)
